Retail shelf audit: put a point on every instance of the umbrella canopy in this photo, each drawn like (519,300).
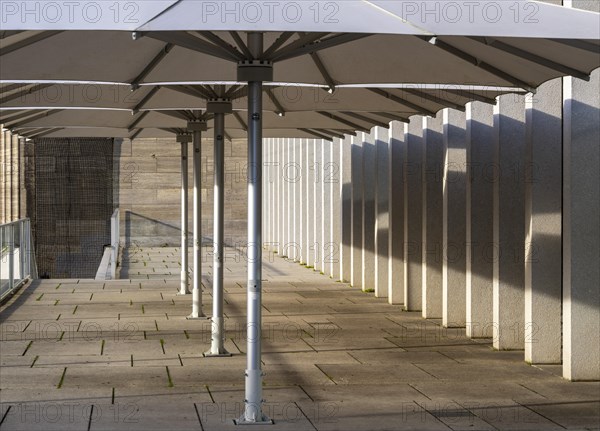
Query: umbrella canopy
(517,44)
(158,123)
(346,107)
(405,99)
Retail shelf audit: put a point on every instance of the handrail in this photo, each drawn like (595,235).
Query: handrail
(18,263)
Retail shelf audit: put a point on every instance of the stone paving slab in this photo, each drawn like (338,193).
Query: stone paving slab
(334,358)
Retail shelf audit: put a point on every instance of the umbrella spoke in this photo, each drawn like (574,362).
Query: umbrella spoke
(135,83)
(223,44)
(435,99)
(419,109)
(310,47)
(240,43)
(343,121)
(365,119)
(186,40)
(481,64)
(137,120)
(280,108)
(392,116)
(146,99)
(283,38)
(43,114)
(29,41)
(295,45)
(525,55)
(579,44)
(29,90)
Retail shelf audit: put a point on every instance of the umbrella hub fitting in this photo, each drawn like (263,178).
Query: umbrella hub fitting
(197,126)
(184,138)
(219,106)
(255,71)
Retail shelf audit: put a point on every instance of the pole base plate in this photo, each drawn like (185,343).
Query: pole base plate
(265,421)
(199,317)
(184,294)
(223,354)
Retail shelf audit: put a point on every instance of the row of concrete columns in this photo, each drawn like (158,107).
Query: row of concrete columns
(486,219)
(11,177)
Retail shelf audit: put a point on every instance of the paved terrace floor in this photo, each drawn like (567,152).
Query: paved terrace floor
(86,355)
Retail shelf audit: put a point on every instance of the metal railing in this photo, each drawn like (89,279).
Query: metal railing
(115,237)
(18,258)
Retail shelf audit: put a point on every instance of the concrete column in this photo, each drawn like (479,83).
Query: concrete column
(310,207)
(318,168)
(336,209)
(357,217)
(433,202)
(277,192)
(327,173)
(2,176)
(305,205)
(480,229)
(454,220)
(581,230)
(413,220)
(543,225)
(346,209)
(369,195)
(509,223)
(396,159)
(382,212)
(298,198)
(291,198)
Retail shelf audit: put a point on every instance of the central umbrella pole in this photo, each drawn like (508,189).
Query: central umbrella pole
(254,71)
(184,139)
(218,108)
(197,127)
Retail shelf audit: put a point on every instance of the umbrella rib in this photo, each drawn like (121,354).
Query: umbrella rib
(10,87)
(228,136)
(335,133)
(221,43)
(135,134)
(29,41)
(137,120)
(239,119)
(283,38)
(278,105)
(34,118)
(579,44)
(435,99)
(326,76)
(240,43)
(48,131)
(343,121)
(187,41)
(305,40)
(238,93)
(315,133)
(34,89)
(180,115)
(481,64)
(394,98)
(8,33)
(231,91)
(472,96)
(525,55)
(365,119)
(307,48)
(15,115)
(152,65)
(210,90)
(146,99)
(392,116)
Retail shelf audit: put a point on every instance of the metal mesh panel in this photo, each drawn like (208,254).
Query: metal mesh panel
(74,203)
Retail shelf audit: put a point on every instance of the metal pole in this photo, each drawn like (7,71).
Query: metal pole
(218,330)
(197,258)
(253,413)
(184,289)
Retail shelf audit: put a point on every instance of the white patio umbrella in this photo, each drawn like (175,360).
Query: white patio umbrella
(327,43)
